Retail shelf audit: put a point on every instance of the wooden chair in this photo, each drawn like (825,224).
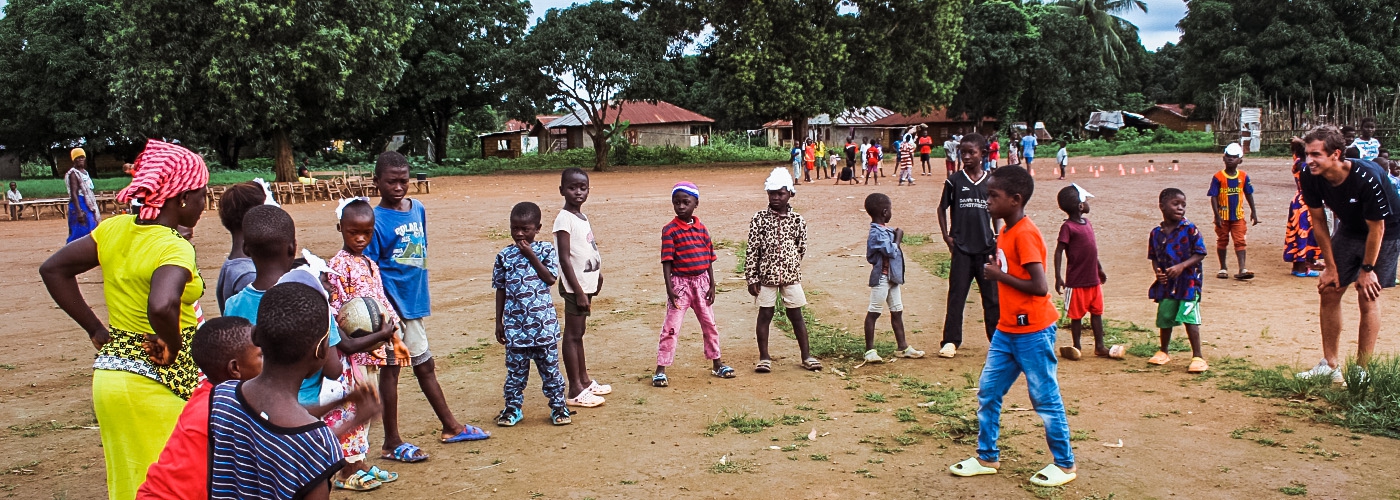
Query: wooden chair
(214,194)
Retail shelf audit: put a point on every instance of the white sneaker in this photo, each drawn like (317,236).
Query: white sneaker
(910,352)
(949,350)
(599,389)
(873,357)
(1321,370)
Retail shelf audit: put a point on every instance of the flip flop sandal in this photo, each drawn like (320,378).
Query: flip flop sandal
(970,467)
(1052,476)
(1223,274)
(659,380)
(1309,274)
(599,389)
(509,417)
(812,364)
(406,453)
(1070,352)
(586,399)
(763,366)
(1198,365)
(1245,275)
(1117,352)
(1161,358)
(724,371)
(361,481)
(469,433)
(560,417)
(382,475)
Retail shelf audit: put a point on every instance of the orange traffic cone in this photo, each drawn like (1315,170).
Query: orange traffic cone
(1032,172)
(1096,174)
(1134,172)
(1071,170)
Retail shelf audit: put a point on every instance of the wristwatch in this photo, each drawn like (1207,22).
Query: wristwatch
(1368,268)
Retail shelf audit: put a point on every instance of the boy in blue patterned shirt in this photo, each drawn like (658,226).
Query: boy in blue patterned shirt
(526,322)
(1176,250)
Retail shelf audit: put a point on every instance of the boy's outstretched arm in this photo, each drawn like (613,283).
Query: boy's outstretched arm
(1037,285)
(500,316)
(1059,260)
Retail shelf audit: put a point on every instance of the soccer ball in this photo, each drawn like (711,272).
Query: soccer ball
(360,316)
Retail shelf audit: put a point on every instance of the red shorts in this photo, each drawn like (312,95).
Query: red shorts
(1084,301)
(1228,230)
(952,165)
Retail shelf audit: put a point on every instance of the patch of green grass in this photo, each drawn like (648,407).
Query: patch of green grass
(916,239)
(1128,142)
(742,422)
(818,458)
(1370,406)
(731,466)
(741,255)
(1266,441)
(7,366)
(874,397)
(905,415)
(1294,489)
(792,419)
(1240,432)
(905,440)
(830,342)
(627,481)
(867,409)
(1081,435)
(936,263)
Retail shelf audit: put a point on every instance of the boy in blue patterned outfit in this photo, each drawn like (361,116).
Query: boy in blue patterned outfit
(526,322)
(1176,250)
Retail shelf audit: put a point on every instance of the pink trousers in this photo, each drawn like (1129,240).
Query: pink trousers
(691,291)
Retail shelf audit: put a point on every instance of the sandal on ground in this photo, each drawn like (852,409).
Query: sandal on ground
(509,417)
(909,352)
(560,417)
(382,475)
(1070,352)
(469,433)
(1052,476)
(812,364)
(659,380)
(871,357)
(1198,365)
(360,481)
(1245,275)
(1161,358)
(599,389)
(406,453)
(586,399)
(763,366)
(1117,352)
(970,467)
(1309,274)
(1223,274)
(724,371)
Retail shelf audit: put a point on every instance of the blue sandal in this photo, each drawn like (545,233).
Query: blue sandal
(469,433)
(561,417)
(724,371)
(509,417)
(382,475)
(659,380)
(406,453)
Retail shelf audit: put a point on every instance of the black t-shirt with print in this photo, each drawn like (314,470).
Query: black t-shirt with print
(1366,194)
(970,224)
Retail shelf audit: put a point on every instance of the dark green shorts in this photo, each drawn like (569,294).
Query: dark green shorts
(571,303)
(1173,312)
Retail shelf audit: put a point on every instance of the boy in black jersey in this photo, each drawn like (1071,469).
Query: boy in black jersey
(971,239)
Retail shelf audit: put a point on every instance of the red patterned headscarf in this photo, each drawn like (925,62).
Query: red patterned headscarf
(163,171)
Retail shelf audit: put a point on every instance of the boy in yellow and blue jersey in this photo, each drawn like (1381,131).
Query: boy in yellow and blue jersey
(1229,189)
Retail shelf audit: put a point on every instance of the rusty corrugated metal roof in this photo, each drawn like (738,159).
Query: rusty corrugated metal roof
(638,113)
(936,116)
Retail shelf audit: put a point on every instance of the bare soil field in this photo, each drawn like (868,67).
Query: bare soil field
(1181,435)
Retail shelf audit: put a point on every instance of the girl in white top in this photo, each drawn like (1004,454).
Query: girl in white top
(581,278)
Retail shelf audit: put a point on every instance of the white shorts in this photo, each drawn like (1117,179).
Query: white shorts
(793,296)
(886,293)
(415,338)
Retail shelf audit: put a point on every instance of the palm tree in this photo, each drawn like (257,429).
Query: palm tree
(1102,16)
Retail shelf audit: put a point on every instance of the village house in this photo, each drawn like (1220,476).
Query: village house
(517,137)
(854,122)
(648,124)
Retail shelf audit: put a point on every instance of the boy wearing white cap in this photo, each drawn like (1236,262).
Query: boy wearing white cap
(1082,282)
(773,267)
(1228,189)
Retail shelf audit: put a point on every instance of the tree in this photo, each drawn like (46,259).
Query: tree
(458,59)
(240,68)
(591,56)
(1106,26)
(1000,35)
(909,53)
(1068,79)
(51,91)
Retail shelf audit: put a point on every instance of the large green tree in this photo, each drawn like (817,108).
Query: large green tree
(1107,27)
(1067,78)
(999,37)
(1311,48)
(590,57)
(459,59)
(276,70)
(51,76)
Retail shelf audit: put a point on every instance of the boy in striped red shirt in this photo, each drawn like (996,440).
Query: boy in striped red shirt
(686,257)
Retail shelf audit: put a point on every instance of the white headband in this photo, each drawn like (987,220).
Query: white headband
(340,206)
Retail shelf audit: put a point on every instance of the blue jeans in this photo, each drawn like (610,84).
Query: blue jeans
(1010,355)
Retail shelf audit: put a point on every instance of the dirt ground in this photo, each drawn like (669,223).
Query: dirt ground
(1176,430)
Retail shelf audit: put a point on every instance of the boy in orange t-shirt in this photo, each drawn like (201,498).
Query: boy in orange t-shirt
(1024,340)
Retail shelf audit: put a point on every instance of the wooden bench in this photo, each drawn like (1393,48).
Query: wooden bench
(59,205)
(316,174)
(420,186)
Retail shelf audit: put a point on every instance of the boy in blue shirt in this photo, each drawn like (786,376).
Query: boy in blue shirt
(400,247)
(1028,144)
(526,322)
(883,252)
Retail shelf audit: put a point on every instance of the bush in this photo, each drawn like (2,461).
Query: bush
(1130,141)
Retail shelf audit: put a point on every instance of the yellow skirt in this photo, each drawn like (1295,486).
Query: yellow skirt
(136,416)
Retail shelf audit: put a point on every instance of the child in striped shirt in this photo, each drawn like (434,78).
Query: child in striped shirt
(686,257)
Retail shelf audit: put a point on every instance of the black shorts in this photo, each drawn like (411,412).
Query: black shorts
(923,157)
(1348,252)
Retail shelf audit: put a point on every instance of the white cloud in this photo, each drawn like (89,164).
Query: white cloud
(1158,25)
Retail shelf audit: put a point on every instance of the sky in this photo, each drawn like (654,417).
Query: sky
(1158,26)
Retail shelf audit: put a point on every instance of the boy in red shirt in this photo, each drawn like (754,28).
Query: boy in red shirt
(1083,283)
(1024,340)
(223,349)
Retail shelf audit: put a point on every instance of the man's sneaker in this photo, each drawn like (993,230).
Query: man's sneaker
(949,350)
(910,352)
(1323,370)
(873,357)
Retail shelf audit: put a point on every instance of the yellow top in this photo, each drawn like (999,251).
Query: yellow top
(129,254)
